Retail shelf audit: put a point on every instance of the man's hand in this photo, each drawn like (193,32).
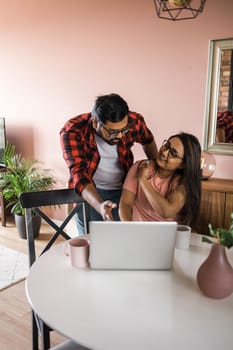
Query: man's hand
(146,169)
(106,210)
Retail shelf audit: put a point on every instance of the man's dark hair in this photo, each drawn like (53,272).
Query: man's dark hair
(111,108)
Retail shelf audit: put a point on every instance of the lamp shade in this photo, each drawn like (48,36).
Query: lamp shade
(208,164)
(175,10)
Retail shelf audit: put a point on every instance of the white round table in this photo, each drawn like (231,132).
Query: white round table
(138,310)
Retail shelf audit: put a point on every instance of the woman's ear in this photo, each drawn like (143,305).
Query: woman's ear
(94,123)
(182,166)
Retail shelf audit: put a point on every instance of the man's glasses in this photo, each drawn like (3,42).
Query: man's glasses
(113,133)
(172,152)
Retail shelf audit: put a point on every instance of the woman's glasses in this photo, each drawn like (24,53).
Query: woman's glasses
(113,133)
(172,152)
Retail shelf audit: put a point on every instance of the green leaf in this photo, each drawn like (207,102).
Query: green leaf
(22,175)
(207,240)
(224,236)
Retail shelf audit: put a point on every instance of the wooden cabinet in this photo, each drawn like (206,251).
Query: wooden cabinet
(229,208)
(216,204)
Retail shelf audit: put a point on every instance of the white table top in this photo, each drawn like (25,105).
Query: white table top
(138,310)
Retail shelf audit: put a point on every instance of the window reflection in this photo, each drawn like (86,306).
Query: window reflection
(219,98)
(224,129)
(224,125)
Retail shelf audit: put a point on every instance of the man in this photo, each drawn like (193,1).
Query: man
(97,150)
(224,130)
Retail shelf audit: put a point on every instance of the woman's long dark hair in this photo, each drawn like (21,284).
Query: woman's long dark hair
(190,177)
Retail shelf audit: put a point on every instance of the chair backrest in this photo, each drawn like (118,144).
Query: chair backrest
(2,141)
(33,202)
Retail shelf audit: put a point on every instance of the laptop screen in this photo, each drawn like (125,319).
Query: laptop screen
(132,245)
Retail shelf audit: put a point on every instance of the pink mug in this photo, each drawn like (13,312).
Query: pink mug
(78,250)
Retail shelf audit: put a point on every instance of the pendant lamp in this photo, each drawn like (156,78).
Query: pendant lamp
(176,10)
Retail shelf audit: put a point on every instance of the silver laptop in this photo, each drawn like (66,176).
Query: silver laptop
(132,245)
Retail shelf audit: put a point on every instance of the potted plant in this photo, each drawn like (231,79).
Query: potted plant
(215,275)
(22,175)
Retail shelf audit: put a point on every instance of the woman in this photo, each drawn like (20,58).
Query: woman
(167,188)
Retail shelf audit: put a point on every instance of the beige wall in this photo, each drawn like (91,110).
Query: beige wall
(57,55)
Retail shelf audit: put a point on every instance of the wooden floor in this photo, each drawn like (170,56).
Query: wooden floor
(15,311)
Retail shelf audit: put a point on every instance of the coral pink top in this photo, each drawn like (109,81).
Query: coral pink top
(142,210)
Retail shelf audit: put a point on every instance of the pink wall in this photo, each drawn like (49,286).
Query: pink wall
(56,56)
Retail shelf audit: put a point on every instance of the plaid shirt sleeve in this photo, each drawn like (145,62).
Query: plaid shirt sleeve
(139,133)
(77,142)
(225,121)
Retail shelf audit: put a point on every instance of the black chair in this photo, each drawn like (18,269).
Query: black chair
(5,210)
(3,206)
(34,202)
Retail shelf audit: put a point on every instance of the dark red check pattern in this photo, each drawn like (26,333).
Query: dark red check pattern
(225,121)
(80,150)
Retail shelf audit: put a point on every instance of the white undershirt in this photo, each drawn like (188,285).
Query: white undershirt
(108,175)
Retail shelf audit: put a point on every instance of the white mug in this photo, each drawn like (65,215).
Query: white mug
(183,237)
(78,250)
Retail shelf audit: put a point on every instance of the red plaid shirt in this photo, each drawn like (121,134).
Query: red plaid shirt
(225,121)
(80,150)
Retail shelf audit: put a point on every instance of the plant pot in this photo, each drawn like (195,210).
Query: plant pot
(21,225)
(215,275)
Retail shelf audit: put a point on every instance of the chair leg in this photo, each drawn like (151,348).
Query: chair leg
(40,328)
(35,345)
(3,210)
(45,336)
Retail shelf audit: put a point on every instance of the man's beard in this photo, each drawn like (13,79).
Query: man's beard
(111,142)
